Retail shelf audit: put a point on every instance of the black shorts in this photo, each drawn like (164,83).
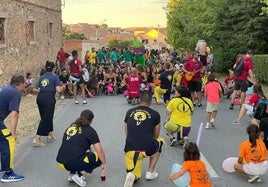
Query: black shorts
(88,163)
(195,86)
(241,85)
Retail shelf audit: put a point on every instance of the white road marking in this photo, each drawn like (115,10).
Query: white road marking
(211,171)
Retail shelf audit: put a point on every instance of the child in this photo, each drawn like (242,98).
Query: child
(29,87)
(250,105)
(180,109)
(212,91)
(195,167)
(252,158)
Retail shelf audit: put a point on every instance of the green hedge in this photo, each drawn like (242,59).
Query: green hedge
(261,67)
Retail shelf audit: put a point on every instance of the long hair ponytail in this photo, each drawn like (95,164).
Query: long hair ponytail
(253,132)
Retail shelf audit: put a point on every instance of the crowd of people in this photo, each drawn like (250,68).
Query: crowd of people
(187,77)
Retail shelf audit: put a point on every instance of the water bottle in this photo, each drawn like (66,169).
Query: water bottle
(103,175)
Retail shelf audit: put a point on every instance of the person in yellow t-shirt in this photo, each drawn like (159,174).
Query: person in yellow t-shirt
(252,157)
(180,109)
(92,56)
(195,167)
(177,76)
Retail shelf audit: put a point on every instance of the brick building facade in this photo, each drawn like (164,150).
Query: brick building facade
(30,34)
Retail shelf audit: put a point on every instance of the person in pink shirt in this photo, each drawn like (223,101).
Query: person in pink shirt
(212,91)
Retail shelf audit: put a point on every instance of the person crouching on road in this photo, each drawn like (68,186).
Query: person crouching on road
(252,158)
(180,109)
(75,154)
(142,122)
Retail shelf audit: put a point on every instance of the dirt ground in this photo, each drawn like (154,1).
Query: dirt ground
(29,117)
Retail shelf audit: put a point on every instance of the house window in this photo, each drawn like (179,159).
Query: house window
(30,32)
(50,29)
(2,30)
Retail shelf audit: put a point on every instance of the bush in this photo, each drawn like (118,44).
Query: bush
(261,67)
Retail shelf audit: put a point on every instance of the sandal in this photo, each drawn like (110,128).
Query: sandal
(51,139)
(37,143)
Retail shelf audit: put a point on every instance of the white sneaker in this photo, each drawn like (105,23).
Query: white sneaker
(76,102)
(130,178)
(212,124)
(207,126)
(70,177)
(151,176)
(79,180)
(84,102)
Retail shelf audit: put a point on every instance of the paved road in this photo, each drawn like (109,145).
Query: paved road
(40,168)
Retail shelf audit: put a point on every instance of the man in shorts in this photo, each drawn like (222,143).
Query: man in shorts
(76,76)
(142,122)
(241,83)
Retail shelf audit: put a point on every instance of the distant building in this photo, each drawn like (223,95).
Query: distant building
(30,34)
(97,36)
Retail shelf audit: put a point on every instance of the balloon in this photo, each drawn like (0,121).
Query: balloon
(237,101)
(228,164)
(183,180)
(125,93)
(199,134)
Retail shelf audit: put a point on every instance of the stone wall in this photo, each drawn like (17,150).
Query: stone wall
(16,54)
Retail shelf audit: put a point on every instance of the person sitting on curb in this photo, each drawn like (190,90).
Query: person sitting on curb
(30,87)
(249,106)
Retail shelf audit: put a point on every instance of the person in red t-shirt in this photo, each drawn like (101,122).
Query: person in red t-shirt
(61,58)
(195,68)
(76,72)
(241,82)
(133,82)
(229,84)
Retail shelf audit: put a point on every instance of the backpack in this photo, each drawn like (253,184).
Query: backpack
(260,110)
(239,66)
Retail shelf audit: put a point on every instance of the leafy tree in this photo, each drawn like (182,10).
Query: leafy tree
(189,21)
(69,35)
(240,25)
(119,44)
(229,26)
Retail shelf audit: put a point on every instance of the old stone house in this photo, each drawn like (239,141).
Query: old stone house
(30,34)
